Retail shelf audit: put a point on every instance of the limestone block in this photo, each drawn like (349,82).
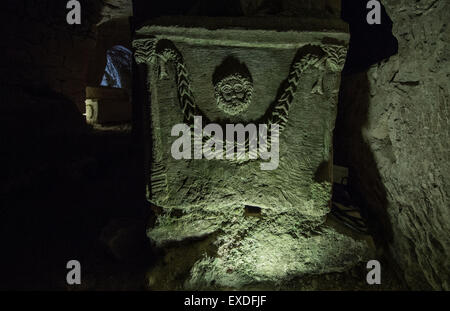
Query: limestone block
(269,223)
(107,105)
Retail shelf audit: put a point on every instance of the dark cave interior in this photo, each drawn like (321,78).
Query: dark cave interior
(73,189)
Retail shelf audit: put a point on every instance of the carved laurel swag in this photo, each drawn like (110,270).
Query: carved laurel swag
(321,57)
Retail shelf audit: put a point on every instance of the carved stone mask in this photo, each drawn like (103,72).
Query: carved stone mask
(234,94)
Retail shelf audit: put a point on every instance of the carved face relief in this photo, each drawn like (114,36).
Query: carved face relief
(234,94)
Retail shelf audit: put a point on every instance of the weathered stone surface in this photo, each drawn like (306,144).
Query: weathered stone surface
(46,52)
(113,9)
(291,7)
(205,197)
(396,130)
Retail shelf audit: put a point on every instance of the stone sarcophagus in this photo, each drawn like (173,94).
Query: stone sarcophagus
(264,197)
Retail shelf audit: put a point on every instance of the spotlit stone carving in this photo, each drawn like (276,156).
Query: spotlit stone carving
(233,86)
(264,77)
(234,94)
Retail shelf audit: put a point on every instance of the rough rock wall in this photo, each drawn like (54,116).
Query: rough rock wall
(116,8)
(44,69)
(290,7)
(43,51)
(394,129)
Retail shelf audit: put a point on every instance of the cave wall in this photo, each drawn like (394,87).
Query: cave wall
(394,131)
(44,52)
(53,181)
(46,66)
(399,151)
(290,7)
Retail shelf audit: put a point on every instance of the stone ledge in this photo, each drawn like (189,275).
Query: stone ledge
(253,23)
